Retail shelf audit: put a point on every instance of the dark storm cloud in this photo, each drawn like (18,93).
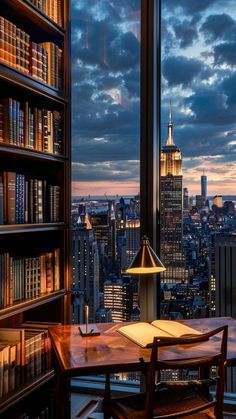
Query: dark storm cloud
(228,86)
(132,83)
(106,59)
(203,141)
(105,94)
(123,52)
(220,26)
(180,70)
(185,32)
(208,106)
(190,6)
(113,170)
(225,53)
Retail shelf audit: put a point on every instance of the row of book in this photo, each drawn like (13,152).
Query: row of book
(25,353)
(43,61)
(51,8)
(24,278)
(28,200)
(30,127)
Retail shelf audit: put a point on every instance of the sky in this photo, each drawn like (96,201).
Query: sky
(198,76)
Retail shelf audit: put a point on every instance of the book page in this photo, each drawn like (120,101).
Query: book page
(142,333)
(175,328)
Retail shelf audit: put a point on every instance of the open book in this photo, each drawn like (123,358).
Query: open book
(143,333)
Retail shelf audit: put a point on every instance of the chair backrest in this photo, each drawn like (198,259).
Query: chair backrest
(218,354)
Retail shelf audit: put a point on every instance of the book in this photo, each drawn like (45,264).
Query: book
(143,333)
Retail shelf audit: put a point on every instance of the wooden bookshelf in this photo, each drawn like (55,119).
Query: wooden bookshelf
(29,239)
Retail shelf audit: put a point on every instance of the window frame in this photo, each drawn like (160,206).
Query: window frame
(150,99)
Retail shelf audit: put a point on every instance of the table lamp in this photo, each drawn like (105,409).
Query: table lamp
(145,261)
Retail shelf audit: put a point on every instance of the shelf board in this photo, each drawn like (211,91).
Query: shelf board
(29,304)
(12,149)
(26,10)
(31,228)
(23,391)
(14,76)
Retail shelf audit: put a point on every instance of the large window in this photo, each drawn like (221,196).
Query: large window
(197,158)
(197,201)
(194,207)
(106,148)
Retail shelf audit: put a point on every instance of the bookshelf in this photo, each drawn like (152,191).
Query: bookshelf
(34,178)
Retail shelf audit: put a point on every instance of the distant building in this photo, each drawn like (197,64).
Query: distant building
(204,187)
(171,211)
(217,201)
(200,201)
(132,234)
(186,203)
(229,208)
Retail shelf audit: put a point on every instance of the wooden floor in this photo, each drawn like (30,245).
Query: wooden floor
(87,407)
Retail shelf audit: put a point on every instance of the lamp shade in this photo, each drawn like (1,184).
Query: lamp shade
(145,261)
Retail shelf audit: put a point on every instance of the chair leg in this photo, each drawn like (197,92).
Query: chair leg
(107,397)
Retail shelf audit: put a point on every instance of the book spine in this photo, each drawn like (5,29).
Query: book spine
(10,196)
(1,201)
(56,265)
(2,39)
(26,123)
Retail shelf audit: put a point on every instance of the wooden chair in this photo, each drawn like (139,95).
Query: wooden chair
(177,399)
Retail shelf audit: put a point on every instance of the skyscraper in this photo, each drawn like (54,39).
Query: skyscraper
(171,211)
(132,231)
(85,268)
(186,203)
(204,186)
(118,297)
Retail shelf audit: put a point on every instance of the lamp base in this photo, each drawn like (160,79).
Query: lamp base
(90,330)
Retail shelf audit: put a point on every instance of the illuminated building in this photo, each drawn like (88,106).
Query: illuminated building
(171,211)
(85,270)
(118,298)
(132,234)
(217,201)
(102,235)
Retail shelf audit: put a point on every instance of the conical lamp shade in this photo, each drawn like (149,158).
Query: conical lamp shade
(145,261)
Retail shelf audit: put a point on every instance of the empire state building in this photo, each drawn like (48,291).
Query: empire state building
(171,211)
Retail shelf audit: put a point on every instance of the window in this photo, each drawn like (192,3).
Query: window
(106,165)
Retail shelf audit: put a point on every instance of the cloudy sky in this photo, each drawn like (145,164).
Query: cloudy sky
(198,68)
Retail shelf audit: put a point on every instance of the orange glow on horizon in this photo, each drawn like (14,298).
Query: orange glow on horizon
(100,188)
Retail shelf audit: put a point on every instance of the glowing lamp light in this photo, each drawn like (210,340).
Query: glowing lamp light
(145,261)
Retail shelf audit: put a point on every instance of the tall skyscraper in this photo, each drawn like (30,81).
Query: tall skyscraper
(86,269)
(171,211)
(204,186)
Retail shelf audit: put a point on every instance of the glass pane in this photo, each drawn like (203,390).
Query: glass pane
(198,219)
(105,170)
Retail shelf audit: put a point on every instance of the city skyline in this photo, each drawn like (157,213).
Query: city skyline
(198,40)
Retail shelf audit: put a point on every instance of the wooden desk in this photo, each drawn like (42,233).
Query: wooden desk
(112,352)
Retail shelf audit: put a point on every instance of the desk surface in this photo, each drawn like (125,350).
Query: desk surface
(113,352)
